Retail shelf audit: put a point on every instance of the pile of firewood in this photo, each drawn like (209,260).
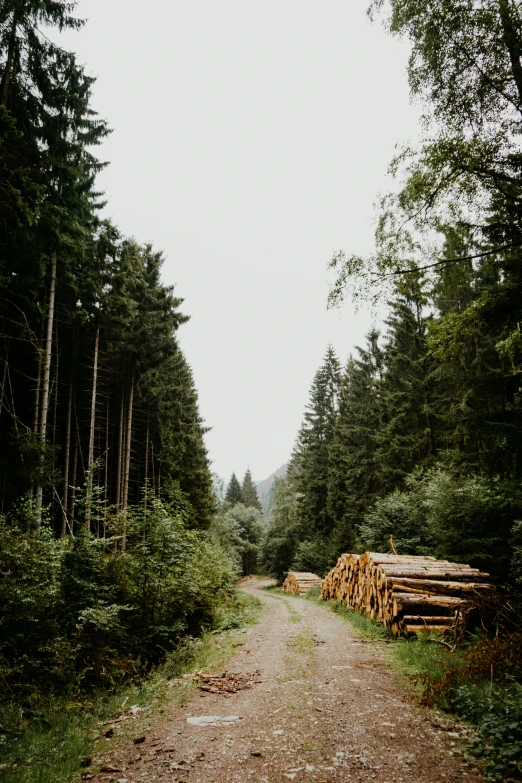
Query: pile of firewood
(297,582)
(406,593)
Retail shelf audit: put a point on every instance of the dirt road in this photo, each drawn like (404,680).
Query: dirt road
(325,707)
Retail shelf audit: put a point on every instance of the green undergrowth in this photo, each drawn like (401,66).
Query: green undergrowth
(58,738)
(479,683)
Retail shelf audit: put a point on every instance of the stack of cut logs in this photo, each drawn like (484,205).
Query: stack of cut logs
(297,582)
(405,592)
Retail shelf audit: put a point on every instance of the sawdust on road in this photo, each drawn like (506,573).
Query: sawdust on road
(321,705)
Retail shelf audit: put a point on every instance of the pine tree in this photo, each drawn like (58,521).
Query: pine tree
(249,492)
(352,478)
(234,494)
(310,463)
(284,530)
(405,437)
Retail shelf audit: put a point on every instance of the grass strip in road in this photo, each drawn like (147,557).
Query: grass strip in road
(276,592)
(62,733)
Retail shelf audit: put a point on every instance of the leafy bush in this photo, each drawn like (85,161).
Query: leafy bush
(489,659)
(283,532)
(482,686)
(465,518)
(400,516)
(81,613)
(498,718)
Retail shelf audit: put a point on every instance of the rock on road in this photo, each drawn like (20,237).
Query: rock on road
(328,708)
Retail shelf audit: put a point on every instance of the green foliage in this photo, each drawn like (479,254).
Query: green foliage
(283,533)
(84,613)
(249,492)
(465,518)
(312,555)
(234,494)
(109,302)
(405,438)
(311,457)
(47,740)
(239,531)
(352,476)
(482,685)
(300,520)
(396,515)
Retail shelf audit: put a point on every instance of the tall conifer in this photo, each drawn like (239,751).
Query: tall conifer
(249,492)
(405,436)
(311,458)
(352,480)
(234,494)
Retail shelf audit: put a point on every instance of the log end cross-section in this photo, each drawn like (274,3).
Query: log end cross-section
(300,582)
(407,593)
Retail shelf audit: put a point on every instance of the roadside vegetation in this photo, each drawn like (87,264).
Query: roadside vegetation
(61,734)
(108,566)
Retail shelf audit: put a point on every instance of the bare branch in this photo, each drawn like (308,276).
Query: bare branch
(445,261)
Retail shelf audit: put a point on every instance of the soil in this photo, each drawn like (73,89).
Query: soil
(323,705)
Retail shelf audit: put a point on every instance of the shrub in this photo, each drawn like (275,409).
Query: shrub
(482,687)
(82,613)
(465,518)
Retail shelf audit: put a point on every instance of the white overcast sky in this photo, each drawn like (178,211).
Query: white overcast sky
(251,140)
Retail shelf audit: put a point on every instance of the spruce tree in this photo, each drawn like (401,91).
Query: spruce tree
(284,530)
(352,477)
(310,463)
(234,494)
(405,437)
(249,492)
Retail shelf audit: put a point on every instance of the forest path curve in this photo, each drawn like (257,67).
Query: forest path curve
(325,707)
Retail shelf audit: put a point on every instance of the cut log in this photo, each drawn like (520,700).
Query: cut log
(417,619)
(435,587)
(418,603)
(408,629)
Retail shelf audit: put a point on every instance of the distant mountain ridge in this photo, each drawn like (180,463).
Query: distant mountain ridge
(265,488)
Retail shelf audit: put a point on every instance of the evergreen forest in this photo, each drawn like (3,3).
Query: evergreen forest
(120,549)
(106,492)
(418,433)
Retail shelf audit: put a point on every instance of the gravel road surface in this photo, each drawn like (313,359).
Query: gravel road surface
(324,706)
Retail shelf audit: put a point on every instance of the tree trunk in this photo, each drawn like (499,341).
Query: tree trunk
(46,377)
(119,482)
(92,429)
(73,489)
(128,440)
(6,76)
(4,376)
(66,461)
(38,383)
(513,45)
(106,481)
(146,482)
(54,391)
(420,604)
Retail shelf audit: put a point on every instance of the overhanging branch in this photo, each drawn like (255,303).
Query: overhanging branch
(444,261)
